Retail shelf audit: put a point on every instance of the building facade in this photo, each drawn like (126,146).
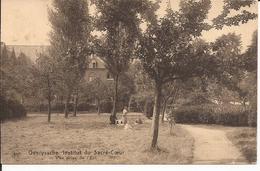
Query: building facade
(97,70)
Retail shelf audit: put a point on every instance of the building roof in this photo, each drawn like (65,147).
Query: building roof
(32,52)
(29,50)
(99,61)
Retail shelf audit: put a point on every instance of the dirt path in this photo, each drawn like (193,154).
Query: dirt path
(213,147)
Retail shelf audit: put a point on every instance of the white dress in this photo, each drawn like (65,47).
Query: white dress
(124,116)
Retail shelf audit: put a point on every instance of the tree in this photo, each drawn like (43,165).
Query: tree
(235,70)
(76,100)
(170,92)
(70,42)
(227,19)
(12,58)
(249,63)
(227,51)
(97,90)
(249,60)
(126,89)
(143,88)
(4,70)
(45,78)
(4,55)
(169,50)
(251,89)
(119,22)
(16,76)
(24,77)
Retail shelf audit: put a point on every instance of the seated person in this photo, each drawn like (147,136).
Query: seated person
(139,121)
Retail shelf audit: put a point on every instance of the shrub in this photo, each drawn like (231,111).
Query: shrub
(194,114)
(212,114)
(148,107)
(106,107)
(137,105)
(252,118)
(11,109)
(86,107)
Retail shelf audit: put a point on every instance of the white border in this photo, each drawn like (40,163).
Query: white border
(151,167)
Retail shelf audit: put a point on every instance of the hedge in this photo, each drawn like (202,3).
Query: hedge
(212,114)
(11,109)
(106,107)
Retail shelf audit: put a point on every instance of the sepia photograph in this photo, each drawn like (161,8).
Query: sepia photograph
(129,82)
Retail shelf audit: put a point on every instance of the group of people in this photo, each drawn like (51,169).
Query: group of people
(169,117)
(124,120)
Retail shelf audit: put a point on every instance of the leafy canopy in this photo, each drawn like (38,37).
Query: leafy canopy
(170,49)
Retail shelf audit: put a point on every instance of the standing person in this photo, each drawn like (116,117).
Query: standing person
(124,115)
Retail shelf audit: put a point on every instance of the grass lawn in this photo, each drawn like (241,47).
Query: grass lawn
(245,139)
(90,139)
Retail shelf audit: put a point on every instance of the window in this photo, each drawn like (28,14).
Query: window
(92,76)
(94,64)
(109,77)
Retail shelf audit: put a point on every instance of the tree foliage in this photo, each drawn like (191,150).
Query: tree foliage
(249,62)
(227,52)
(16,75)
(46,79)
(170,49)
(119,20)
(120,23)
(249,83)
(244,15)
(70,41)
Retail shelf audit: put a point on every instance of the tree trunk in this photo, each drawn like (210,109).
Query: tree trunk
(49,110)
(49,100)
(75,104)
(129,103)
(60,109)
(163,111)
(145,107)
(66,110)
(98,106)
(244,104)
(113,115)
(156,115)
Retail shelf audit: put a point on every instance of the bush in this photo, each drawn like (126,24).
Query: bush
(11,109)
(148,107)
(137,105)
(106,107)
(86,107)
(59,107)
(252,118)
(212,114)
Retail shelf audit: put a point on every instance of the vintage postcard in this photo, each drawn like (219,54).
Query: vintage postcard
(129,82)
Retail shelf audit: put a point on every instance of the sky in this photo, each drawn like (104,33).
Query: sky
(25,22)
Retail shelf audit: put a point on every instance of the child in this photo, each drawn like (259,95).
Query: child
(124,115)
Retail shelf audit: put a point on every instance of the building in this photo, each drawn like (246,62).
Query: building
(30,51)
(96,68)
